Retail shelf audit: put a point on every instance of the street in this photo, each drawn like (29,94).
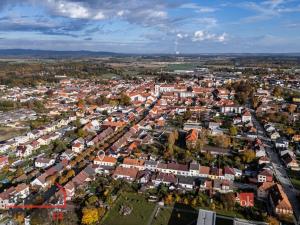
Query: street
(279,170)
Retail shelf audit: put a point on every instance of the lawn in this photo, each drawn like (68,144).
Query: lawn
(175,216)
(141,211)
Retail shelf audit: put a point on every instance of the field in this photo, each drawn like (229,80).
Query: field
(182,66)
(8,132)
(141,211)
(175,216)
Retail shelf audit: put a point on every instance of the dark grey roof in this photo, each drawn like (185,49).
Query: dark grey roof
(151,163)
(194,166)
(186,180)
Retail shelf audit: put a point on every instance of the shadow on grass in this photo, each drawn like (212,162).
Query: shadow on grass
(183,215)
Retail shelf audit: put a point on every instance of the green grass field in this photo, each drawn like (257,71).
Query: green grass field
(140,214)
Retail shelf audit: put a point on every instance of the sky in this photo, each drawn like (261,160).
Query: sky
(152,26)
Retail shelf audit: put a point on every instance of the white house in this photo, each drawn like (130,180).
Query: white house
(43,162)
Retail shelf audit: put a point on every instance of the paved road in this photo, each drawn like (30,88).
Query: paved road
(279,169)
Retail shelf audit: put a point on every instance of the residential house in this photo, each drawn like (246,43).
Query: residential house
(185,182)
(222,186)
(174,168)
(133,163)
(104,160)
(279,201)
(274,135)
(281,142)
(194,169)
(144,176)
(263,160)
(42,162)
(128,174)
(204,171)
(164,178)
(290,161)
(151,165)
(265,176)
(216,173)
(246,117)
(24,151)
(3,161)
(263,189)
(229,173)
(13,195)
(67,155)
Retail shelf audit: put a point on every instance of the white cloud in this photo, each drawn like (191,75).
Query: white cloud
(268,9)
(202,35)
(207,21)
(181,35)
(99,16)
(198,8)
(72,9)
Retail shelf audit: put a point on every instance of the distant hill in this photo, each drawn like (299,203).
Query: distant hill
(53,54)
(30,53)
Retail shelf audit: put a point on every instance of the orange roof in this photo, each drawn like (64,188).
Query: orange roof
(77,145)
(134,162)
(108,159)
(133,145)
(193,135)
(131,172)
(3,159)
(204,170)
(247,113)
(114,124)
(265,185)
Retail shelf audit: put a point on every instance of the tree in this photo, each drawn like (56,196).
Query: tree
(81,133)
(255,102)
(233,130)
(19,172)
(169,199)
(187,114)
(51,179)
(222,141)
(19,217)
(89,215)
(209,157)
(91,200)
(290,131)
(291,108)
(124,99)
(277,92)
(272,221)
(80,103)
(101,100)
(228,200)
(70,173)
(248,156)
(171,139)
(59,146)
(176,134)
